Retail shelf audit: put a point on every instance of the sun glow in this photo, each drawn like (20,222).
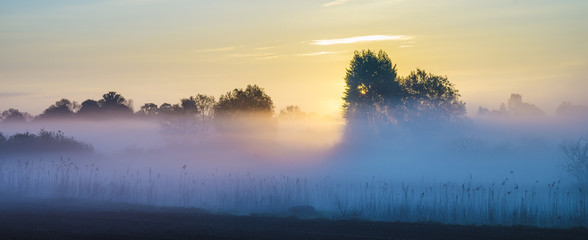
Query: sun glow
(362,89)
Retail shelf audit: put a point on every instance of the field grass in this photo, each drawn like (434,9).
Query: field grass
(373,198)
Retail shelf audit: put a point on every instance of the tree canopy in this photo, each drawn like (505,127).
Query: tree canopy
(430,97)
(61,109)
(252,99)
(14,115)
(89,108)
(375,93)
(205,105)
(200,106)
(114,103)
(371,86)
(148,110)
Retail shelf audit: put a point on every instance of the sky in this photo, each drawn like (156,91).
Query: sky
(160,51)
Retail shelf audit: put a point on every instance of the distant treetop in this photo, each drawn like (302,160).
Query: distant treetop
(514,107)
(63,108)
(252,99)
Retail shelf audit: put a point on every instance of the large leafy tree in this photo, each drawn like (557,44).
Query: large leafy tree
(201,105)
(243,113)
(205,105)
(148,110)
(61,109)
(169,110)
(430,97)
(252,99)
(89,108)
(189,106)
(194,113)
(371,87)
(375,93)
(114,103)
(13,115)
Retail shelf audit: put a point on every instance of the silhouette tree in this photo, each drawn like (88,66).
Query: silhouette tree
(45,141)
(112,104)
(193,114)
(375,93)
(252,100)
(61,109)
(244,113)
(576,162)
(169,110)
(430,97)
(89,108)
(14,115)
(371,86)
(194,108)
(148,110)
(515,107)
(116,104)
(291,112)
(189,106)
(205,105)
(166,109)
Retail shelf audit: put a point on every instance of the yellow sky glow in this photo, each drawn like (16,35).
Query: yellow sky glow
(162,51)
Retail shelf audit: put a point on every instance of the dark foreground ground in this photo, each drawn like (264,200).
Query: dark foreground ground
(71,219)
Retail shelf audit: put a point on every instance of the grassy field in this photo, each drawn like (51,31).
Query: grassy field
(376,199)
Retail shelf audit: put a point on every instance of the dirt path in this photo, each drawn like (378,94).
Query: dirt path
(68,219)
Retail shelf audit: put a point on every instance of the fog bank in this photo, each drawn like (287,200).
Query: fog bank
(480,168)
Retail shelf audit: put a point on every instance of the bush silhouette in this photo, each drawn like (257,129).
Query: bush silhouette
(45,141)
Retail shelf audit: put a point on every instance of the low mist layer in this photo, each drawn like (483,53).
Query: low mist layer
(468,172)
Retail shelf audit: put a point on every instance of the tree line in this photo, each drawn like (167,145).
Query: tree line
(252,99)
(515,107)
(373,92)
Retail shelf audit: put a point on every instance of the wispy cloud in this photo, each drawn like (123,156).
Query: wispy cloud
(223,49)
(14,94)
(316,53)
(357,39)
(335,3)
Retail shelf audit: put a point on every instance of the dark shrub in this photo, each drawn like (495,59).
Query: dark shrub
(45,141)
